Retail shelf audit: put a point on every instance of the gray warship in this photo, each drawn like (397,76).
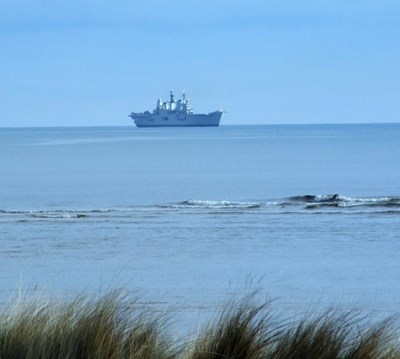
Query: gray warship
(175,114)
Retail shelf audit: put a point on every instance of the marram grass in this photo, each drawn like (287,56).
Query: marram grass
(110,327)
(115,327)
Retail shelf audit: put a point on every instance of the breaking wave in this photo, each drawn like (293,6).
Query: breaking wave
(323,203)
(213,205)
(54,214)
(337,200)
(129,211)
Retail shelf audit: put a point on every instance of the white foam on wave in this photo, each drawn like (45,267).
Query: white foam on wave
(54,214)
(368,201)
(209,204)
(328,197)
(57,214)
(341,201)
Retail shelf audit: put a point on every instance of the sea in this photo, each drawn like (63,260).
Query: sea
(187,218)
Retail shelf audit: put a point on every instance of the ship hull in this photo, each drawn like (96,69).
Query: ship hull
(177,120)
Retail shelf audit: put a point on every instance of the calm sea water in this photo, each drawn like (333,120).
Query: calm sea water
(309,214)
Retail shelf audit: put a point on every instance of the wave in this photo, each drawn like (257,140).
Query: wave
(199,204)
(337,200)
(318,198)
(325,203)
(54,214)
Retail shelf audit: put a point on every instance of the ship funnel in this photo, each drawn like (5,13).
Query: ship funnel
(171,94)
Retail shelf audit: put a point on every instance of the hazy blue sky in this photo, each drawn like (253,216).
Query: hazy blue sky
(92,62)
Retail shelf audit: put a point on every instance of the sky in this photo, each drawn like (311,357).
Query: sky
(92,62)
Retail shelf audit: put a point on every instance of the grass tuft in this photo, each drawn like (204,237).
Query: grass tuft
(110,327)
(115,327)
(242,331)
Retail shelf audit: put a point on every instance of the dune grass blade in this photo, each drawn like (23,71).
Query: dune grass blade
(242,331)
(105,328)
(323,337)
(374,342)
(114,327)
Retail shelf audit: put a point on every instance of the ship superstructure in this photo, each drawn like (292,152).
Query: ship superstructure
(175,114)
